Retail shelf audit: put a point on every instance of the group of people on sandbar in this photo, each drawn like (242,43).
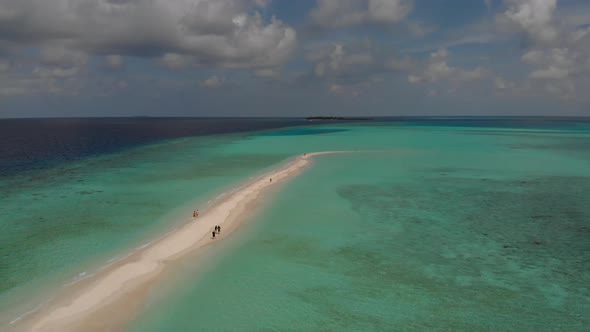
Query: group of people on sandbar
(216,231)
(217,227)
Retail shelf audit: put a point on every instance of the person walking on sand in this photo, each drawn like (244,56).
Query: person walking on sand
(213,234)
(218,229)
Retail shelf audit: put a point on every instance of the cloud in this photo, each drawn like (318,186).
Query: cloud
(267,73)
(420,29)
(55,71)
(41,80)
(558,63)
(338,89)
(535,17)
(344,60)
(398,64)
(60,56)
(502,84)
(347,13)
(560,70)
(353,67)
(262,3)
(122,85)
(175,61)
(575,16)
(213,82)
(479,32)
(558,53)
(115,61)
(346,68)
(436,69)
(224,33)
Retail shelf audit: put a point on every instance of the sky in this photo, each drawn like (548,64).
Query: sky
(62,58)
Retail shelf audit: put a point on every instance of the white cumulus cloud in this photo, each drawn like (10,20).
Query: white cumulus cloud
(535,17)
(213,82)
(340,59)
(437,69)
(558,54)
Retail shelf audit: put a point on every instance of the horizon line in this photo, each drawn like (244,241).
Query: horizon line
(369,117)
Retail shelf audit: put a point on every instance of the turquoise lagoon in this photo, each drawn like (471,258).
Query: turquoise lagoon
(422,227)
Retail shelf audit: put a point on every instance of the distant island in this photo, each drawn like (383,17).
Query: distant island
(340,118)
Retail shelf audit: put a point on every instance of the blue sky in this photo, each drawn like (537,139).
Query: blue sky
(294,58)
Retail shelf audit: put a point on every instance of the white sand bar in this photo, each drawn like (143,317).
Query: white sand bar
(150,261)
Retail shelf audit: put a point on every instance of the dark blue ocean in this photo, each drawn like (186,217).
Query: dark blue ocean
(27,144)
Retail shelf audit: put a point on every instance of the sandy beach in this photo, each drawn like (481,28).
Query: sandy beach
(118,284)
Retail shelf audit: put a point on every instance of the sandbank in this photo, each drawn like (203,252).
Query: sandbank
(118,284)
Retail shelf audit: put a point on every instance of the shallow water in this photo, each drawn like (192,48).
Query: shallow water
(452,225)
(438,229)
(61,223)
